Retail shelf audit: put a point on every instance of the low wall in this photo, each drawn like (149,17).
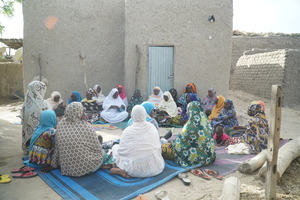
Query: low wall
(11,79)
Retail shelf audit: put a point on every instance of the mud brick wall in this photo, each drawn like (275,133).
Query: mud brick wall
(11,79)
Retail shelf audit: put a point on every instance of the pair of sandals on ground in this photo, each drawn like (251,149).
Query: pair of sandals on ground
(23,172)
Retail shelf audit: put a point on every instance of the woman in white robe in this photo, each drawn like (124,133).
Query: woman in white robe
(55,100)
(139,151)
(98,96)
(114,109)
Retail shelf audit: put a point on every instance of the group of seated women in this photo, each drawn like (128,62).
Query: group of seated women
(77,150)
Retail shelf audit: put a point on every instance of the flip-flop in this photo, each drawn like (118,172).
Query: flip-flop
(5,179)
(4,176)
(23,169)
(213,173)
(162,195)
(25,175)
(200,173)
(184,177)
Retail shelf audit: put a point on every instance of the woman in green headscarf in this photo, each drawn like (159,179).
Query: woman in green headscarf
(195,144)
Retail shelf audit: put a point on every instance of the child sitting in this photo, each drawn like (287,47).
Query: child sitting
(220,137)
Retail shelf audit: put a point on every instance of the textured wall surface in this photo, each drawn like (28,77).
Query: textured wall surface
(11,79)
(59,30)
(256,73)
(241,44)
(202,50)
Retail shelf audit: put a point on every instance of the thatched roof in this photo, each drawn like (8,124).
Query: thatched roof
(12,43)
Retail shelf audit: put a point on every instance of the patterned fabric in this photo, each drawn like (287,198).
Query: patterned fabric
(77,149)
(78,97)
(217,108)
(208,102)
(135,100)
(33,106)
(53,103)
(227,117)
(156,99)
(256,134)
(168,152)
(90,105)
(182,98)
(42,141)
(189,98)
(195,144)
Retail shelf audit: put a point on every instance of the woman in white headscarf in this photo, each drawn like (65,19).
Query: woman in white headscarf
(156,97)
(114,109)
(33,105)
(167,109)
(55,100)
(98,96)
(139,151)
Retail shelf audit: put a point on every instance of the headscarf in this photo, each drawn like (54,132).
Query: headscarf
(168,106)
(173,90)
(254,108)
(227,117)
(208,102)
(77,150)
(99,97)
(123,93)
(193,88)
(148,107)
(33,106)
(263,106)
(78,97)
(47,121)
(231,106)
(139,114)
(193,97)
(135,100)
(110,100)
(51,101)
(195,144)
(161,93)
(90,92)
(218,107)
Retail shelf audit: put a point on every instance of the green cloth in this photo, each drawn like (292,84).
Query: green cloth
(195,144)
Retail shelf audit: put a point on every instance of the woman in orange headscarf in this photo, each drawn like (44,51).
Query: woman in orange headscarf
(190,88)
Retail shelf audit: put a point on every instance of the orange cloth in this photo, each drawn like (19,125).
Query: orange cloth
(218,107)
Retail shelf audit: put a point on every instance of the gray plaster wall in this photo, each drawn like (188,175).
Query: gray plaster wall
(11,80)
(256,73)
(240,44)
(184,25)
(93,28)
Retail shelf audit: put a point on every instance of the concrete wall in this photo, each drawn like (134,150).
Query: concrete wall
(184,25)
(59,30)
(256,73)
(11,79)
(240,44)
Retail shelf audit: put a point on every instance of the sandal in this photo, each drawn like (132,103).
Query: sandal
(5,179)
(23,169)
(213,173)
(25,175)
(184,177)
(200,173)
(4,176)
(162,195)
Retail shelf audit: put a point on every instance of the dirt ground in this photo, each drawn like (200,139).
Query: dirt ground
(252,187)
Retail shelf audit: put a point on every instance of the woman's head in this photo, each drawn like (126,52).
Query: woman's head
(156,90)
(89,95)
(168,96)
(74,111)
(37,89)
(228,104)
(137,93)
(73,97)
(149,107)
(190,88)
(173,92)
(138,113)
(55,96)
(97,89)
(211,92)
(254,108)
(48,118)
(191,97)
(120,89)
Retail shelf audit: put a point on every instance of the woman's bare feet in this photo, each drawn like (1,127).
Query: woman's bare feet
(119,171)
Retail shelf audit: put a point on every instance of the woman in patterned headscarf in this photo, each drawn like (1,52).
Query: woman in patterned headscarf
(156,97)
(195,144)
(210,100)
(33,106)
(77,149)
(136,99)
(257,130)
(227,117)
(190,88)
(97,95)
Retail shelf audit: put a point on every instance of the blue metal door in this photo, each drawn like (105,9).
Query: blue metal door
(160,68)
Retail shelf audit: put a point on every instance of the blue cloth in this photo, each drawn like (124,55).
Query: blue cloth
(148,107)
(78,97)
(227,117)
(192,97)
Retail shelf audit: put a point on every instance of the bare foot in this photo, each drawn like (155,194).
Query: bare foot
(119,171)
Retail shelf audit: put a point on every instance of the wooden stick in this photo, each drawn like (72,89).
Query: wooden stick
(273,142)
(231,189)
(254,163)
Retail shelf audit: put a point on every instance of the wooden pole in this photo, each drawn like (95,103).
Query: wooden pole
(254,163)
(273,142)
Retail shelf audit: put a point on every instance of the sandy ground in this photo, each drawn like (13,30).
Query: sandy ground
(252,187)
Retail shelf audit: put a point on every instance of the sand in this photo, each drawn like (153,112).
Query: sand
(252,187)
